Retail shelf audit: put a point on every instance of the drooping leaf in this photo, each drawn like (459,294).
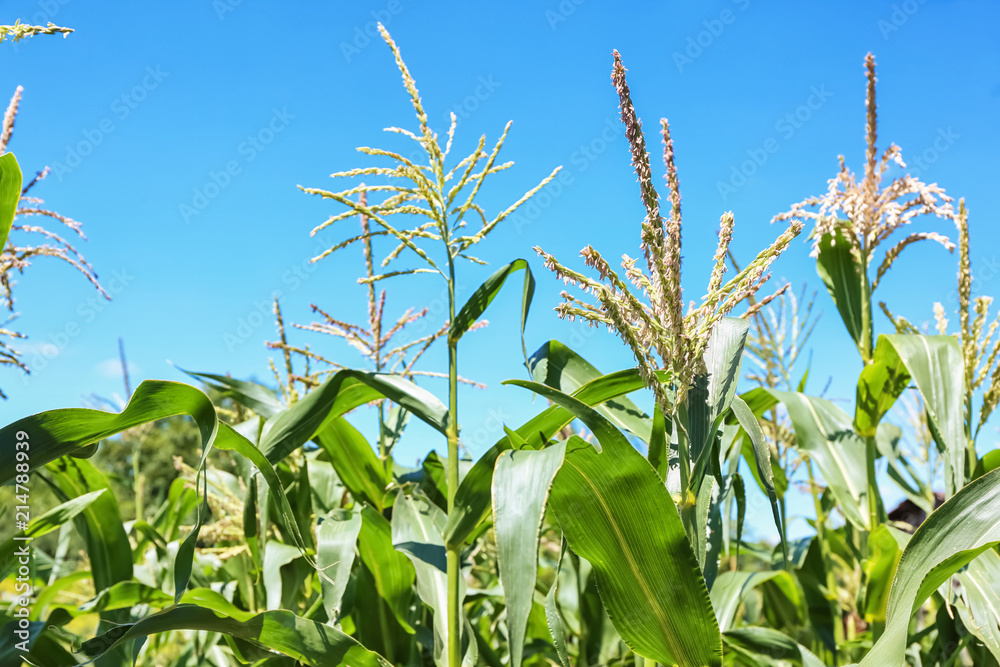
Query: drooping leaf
(339,394)
(484,295)
(521,484)
(616,513)
(252,395)
(558,366)
(125,595)
(73,431)
(952,536)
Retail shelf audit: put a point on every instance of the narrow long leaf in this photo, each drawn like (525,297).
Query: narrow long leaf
(762,455)
(339,394)
(484,295)
(521,484)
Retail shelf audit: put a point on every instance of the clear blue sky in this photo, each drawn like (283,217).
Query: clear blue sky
(162,95)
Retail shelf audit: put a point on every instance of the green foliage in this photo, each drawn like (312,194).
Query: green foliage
(248,525)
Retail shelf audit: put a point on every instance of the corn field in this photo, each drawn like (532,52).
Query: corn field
(607,529)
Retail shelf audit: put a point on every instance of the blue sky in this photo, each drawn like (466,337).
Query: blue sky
(177,133)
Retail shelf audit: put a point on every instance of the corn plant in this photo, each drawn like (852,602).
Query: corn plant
(594,533)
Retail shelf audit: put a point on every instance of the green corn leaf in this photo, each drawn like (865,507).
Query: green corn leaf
(355,461)
(337,538)
(936,365)
(482,297)
(309,642)
(732,588)
(879,385)
(601,427)
(826,434)
(616,513)
(712,392)
(769,647)
(73,431)
(45,524)
(276,556)
(417,524)
(739,490)
(392,428)
(339,394)
(886,545)
(391,569)
(250,395)
(99,522)
(472,501)
(126,595)
(521,484)
(979,600)
(558,366)
(762,455)
(552,617)
(952,536)
(10,194)
(845,280)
